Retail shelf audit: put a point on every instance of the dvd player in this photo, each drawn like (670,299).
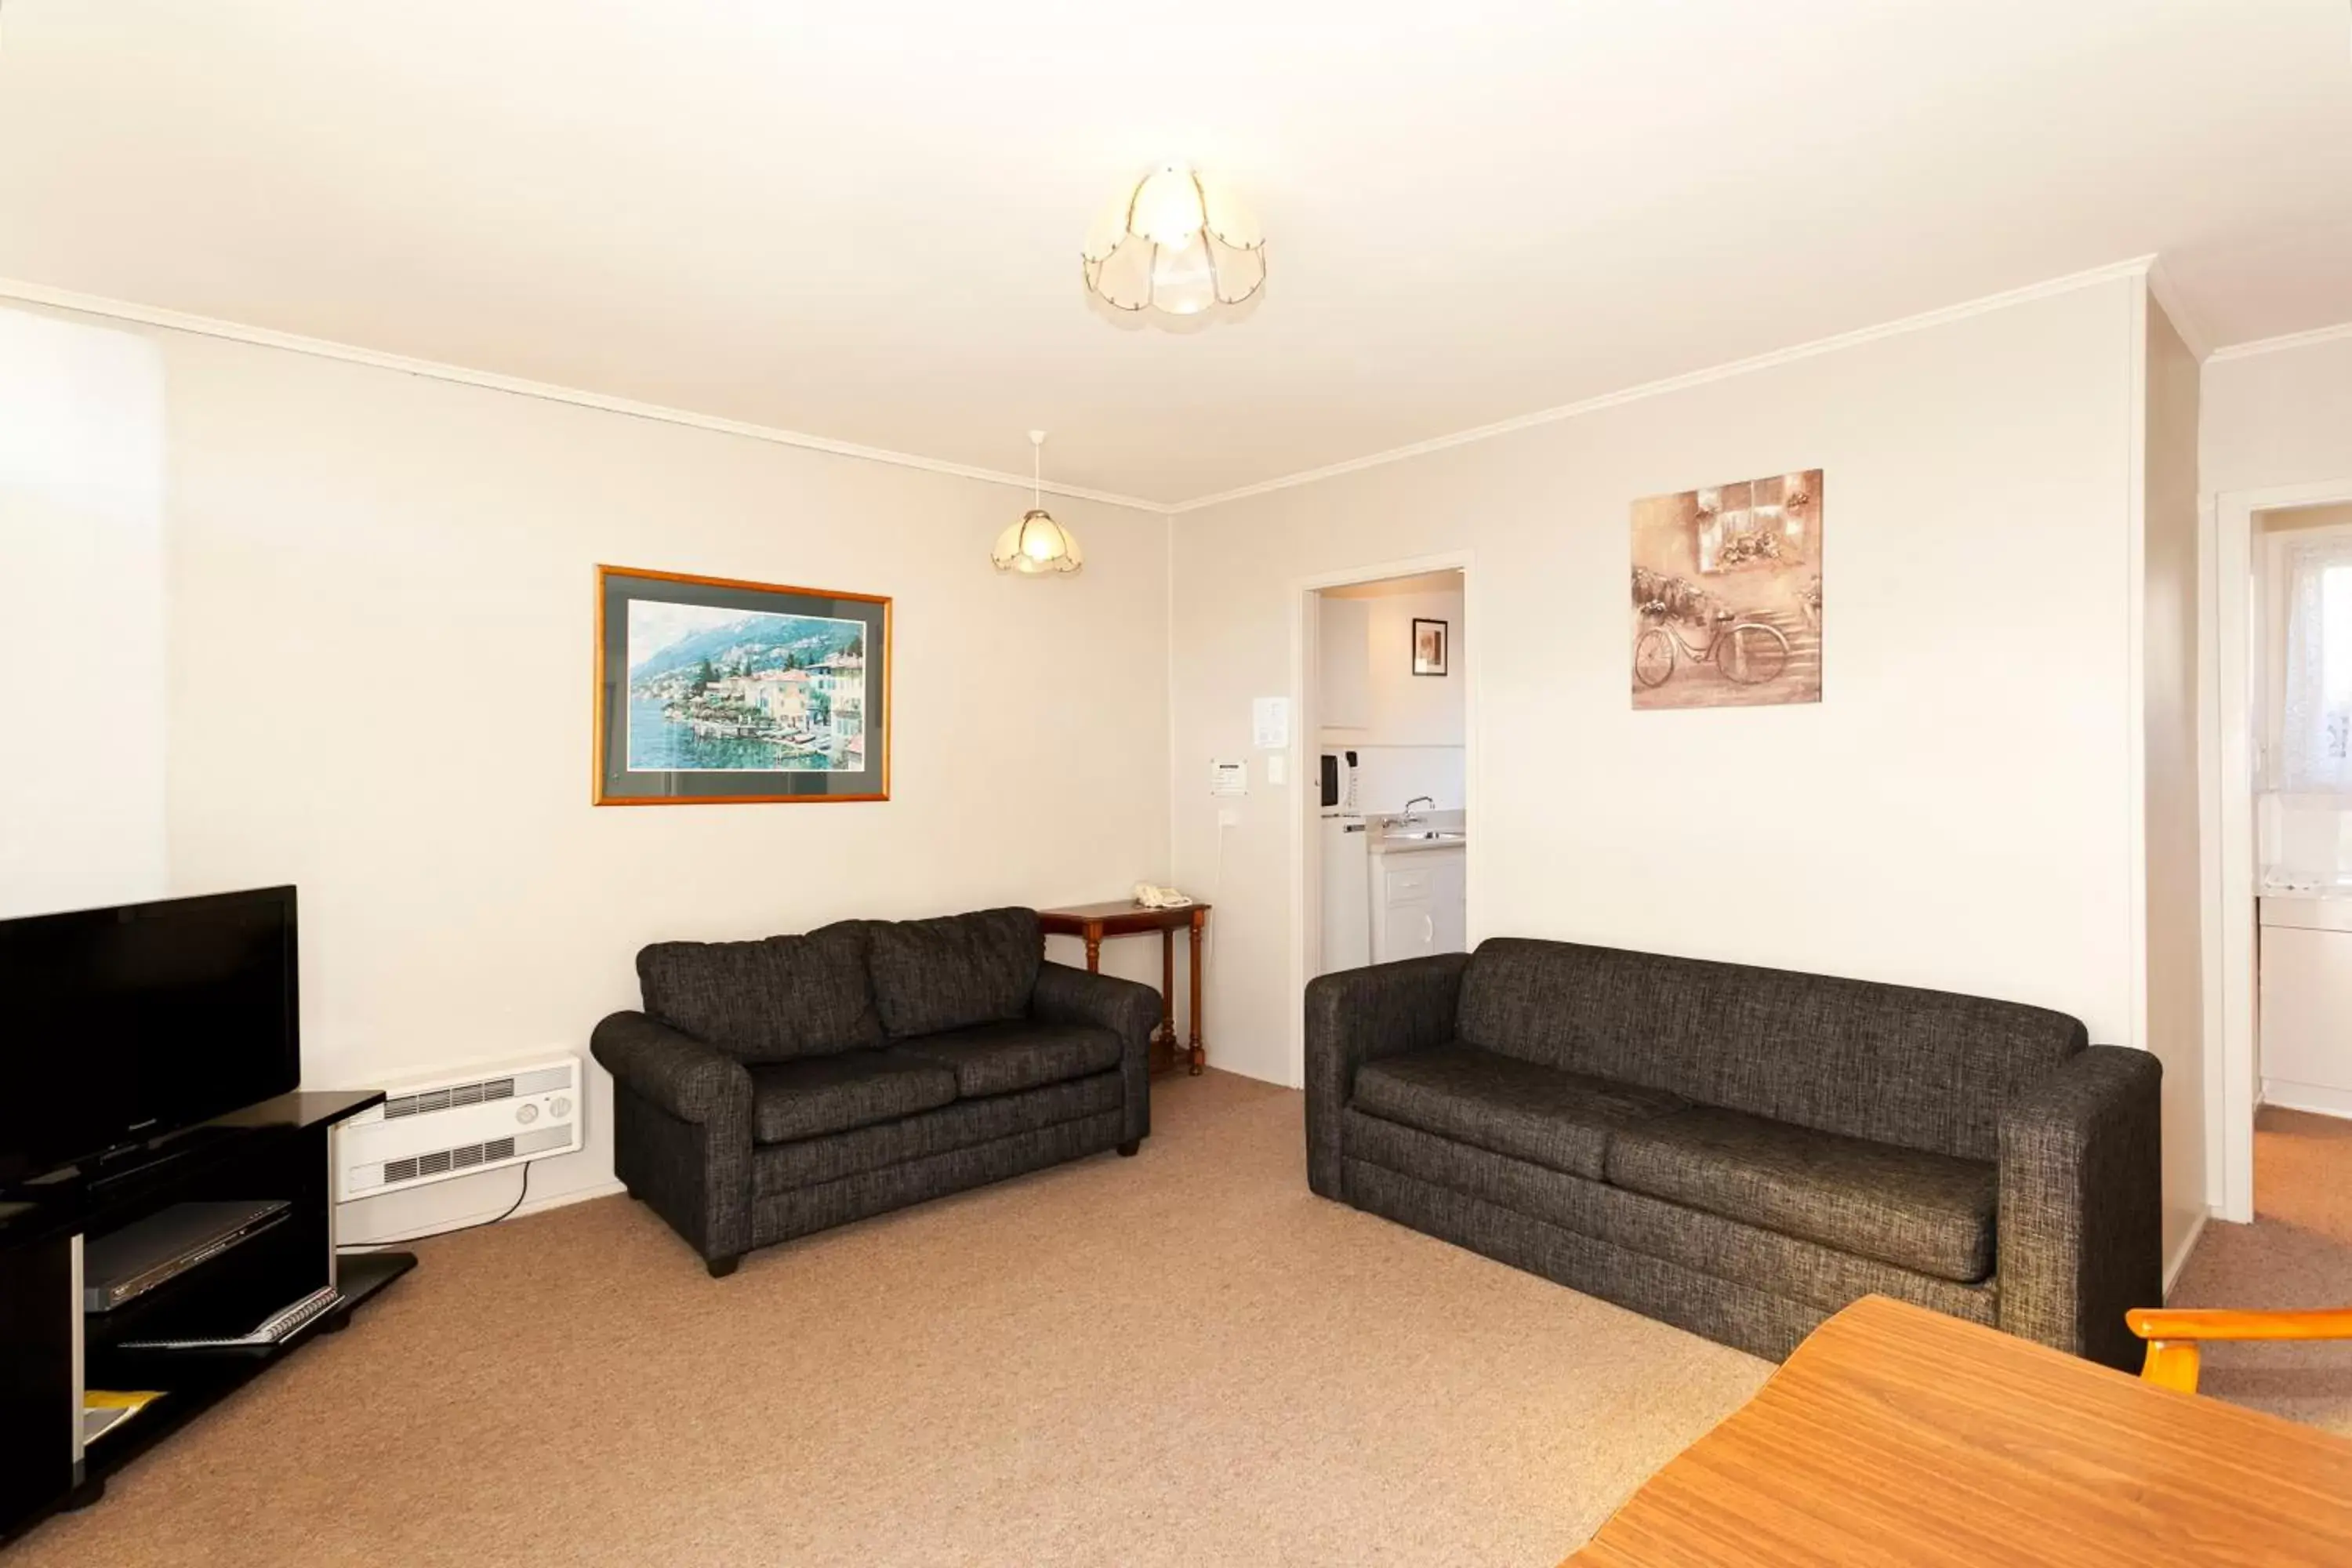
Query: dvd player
(124,1265)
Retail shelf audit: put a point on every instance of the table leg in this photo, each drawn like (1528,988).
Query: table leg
(1168,985)
(1094,949)
(1200,1054)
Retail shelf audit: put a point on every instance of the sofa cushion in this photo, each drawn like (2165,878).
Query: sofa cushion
(1562,1120)
(1933,1213)
(1922,1069)
(772,1000)
(805,1162)
(1001,1057)
(816,1095)
(958,970)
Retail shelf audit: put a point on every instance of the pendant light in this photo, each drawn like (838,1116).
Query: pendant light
(1036,544)
(1176,242)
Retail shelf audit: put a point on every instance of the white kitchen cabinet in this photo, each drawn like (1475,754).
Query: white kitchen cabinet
(1417,904)
(1343,643)
(2306,1004)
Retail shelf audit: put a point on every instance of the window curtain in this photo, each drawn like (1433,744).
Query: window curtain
(2315,730)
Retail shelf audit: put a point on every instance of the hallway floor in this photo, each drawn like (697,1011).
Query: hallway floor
(2297,1253)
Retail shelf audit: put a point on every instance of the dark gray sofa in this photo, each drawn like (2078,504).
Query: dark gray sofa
(771,1089)
(1742,1152)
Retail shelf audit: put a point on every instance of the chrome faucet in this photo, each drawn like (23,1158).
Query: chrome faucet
(1409,819)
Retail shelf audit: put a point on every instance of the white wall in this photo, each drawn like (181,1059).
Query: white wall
(1409,710)
(2173,967)
(82,764)
(382,602)
(1952,814)
(2278,419)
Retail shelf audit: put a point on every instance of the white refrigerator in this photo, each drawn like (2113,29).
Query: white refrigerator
(1347,893)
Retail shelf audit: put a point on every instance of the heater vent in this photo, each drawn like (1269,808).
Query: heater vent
(452,1126)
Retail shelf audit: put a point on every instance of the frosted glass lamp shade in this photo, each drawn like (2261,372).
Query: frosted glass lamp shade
(1178,243)
(1036,544)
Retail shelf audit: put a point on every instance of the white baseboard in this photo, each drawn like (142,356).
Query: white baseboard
(2317,1099)
(2180,1259)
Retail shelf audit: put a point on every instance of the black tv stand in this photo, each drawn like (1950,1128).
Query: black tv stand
(280,1148)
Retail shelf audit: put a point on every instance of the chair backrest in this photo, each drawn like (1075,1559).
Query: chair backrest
(1925,1069)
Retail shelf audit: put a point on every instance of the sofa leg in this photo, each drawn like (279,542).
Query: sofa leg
(1130,1146)
(721,1268)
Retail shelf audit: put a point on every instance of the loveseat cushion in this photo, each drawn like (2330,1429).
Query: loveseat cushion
(815,1095)
(1932,1212)
(1016,1054)
(1562,1120)
(772,1000)
(955,971)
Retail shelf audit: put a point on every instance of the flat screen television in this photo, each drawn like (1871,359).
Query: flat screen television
(121,1026)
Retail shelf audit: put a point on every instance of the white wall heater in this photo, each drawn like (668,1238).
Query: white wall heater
(456,1123)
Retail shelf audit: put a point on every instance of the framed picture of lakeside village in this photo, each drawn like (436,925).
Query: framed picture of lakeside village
(709,690)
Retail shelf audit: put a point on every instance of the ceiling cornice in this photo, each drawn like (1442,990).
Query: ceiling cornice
(2312,338)
(2144,267)
(2138,267)
(207,326)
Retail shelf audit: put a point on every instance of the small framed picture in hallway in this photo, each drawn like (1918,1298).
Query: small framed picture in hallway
(1428,646)
(1727,609)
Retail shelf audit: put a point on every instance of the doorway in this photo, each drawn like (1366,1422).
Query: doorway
(1384,838)
(2280,751)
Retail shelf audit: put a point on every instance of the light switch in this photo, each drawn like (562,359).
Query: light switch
(1278,769)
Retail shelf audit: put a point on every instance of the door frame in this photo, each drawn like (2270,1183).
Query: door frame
(2233,1066)
(1306,906)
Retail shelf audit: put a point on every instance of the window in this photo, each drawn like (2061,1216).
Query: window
(2315,725)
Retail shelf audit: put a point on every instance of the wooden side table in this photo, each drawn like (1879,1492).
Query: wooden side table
(1093,923)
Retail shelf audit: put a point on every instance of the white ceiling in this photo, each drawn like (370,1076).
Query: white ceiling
(861,221)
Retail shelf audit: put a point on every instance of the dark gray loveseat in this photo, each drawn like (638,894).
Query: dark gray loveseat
(771,1089)
(1742,1152)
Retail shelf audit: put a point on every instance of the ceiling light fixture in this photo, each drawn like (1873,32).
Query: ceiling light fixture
(1177,243)
(1036,544)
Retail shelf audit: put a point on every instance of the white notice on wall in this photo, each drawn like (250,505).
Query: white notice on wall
(1270,719)
(1229,778)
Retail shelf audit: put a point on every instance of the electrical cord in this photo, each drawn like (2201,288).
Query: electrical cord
(452,1230)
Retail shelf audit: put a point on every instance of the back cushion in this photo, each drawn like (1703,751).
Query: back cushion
(766,1001)
(958,970)
(1925,1069)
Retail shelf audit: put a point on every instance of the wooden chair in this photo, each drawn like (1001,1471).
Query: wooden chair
(2174,1336)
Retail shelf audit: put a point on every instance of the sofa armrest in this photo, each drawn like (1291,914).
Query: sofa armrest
(1359,1015)
(692,1081)
(2081,1236)
(1131,1011)
(681,1130)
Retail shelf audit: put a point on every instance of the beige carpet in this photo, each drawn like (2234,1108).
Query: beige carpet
(1182,1358)
(2297,1253)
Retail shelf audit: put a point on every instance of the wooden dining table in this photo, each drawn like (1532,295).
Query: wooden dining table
(1896,1436)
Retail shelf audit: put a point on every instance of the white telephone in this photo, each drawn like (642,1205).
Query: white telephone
(1150,898)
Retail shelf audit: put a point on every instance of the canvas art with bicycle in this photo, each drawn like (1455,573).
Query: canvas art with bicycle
(1728,595)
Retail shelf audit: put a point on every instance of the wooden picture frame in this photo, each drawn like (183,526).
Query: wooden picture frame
(1429,649)
(715,690)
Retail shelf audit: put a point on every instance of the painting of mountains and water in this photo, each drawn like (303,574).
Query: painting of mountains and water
(713,690)
(717,690)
